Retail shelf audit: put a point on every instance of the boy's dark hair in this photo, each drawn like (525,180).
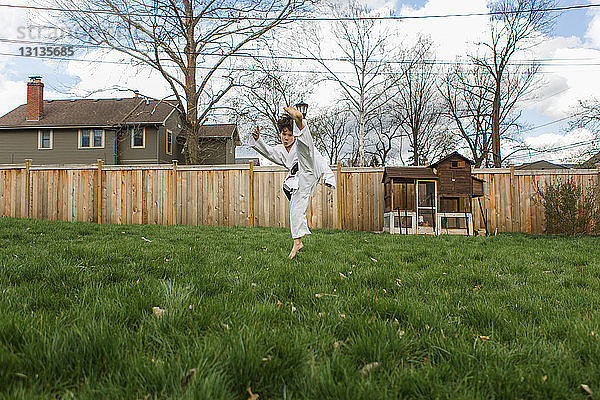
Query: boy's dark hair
(285,121)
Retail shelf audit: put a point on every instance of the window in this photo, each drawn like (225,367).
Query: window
(91,138)
(45,139)
(457,164)
(138,137)
(169,142)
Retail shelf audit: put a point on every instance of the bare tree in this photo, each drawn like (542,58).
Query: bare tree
(515,26)
(260,98)
(330,130)
(469,94)
(385,136)
(364,47)
(190,43)
(417,105)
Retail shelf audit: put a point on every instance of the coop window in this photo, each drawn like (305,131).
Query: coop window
(454,222)
(403,222)
(457,164)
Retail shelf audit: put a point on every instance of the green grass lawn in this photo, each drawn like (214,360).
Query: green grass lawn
(355,316)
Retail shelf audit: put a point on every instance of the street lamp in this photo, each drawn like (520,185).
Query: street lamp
(302,107)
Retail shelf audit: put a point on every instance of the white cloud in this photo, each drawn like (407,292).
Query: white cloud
(554,147)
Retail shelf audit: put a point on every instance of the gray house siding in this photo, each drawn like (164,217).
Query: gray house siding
(20,144)
(147,155)
(173,124)
(230,152)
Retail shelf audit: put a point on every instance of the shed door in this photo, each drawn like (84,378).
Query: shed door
(426,206)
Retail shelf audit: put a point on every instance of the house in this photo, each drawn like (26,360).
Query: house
(218,143)
(593,162)
(540,165)
(434,199)
(127,131)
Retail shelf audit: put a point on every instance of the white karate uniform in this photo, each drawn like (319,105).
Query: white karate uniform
(312,166)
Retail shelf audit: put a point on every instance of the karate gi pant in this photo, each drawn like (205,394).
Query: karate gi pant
(308,178)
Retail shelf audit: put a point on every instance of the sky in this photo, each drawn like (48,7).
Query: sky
(574,47)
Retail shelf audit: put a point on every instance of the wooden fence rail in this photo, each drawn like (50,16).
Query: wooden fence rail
(246,195)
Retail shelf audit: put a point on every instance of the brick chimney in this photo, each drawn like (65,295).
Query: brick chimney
(35,98)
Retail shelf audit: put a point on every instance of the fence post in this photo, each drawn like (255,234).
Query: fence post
(598,184)
(174,203)
(28,187)
(339,195)
(512,202)
(251,196)
(99,190)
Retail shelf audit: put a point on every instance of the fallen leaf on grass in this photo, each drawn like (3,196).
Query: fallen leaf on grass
(320,295)
(264,249)
(544,378)
(147,240)
(190,375)
(482,338)
(374,260)
(191,307)
(279,303)
(398,282)
(400,332)
(293,308)
(267,358)
(253,396)
(239,258)
(342,315)
(369,367)
(342,276)
(158,311)
(586,389)
(253,284)
(336,345)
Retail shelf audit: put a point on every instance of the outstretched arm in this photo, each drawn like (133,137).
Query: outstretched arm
(264,149)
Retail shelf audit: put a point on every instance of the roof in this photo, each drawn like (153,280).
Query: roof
(592,162)
(408,173)
(92,112)
(539,165)
(218,131)
(453,154)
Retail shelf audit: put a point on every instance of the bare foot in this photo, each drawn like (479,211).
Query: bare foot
(295,249)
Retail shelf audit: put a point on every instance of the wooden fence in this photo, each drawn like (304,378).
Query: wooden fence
(243,195)
(512,203)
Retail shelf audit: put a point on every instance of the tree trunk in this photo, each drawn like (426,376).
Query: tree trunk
(496,128)
(361,139)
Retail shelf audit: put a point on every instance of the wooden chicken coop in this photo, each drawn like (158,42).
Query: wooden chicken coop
(434,200)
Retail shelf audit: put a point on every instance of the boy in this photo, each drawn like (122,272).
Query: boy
(305,164)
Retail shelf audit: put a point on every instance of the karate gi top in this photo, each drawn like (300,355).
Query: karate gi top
(280,156)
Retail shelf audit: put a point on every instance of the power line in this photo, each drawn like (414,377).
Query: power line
(257,56)
(299,18)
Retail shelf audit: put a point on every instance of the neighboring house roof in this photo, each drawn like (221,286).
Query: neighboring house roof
(218,131)
(92,113)
(408,173)
(593,162)
(540,165)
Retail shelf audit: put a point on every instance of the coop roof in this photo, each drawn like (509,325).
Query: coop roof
(451,155)
(409,173)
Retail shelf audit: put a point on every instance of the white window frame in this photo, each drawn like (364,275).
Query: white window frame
(143,146)
(40,139)
(91,146)
(169,132)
